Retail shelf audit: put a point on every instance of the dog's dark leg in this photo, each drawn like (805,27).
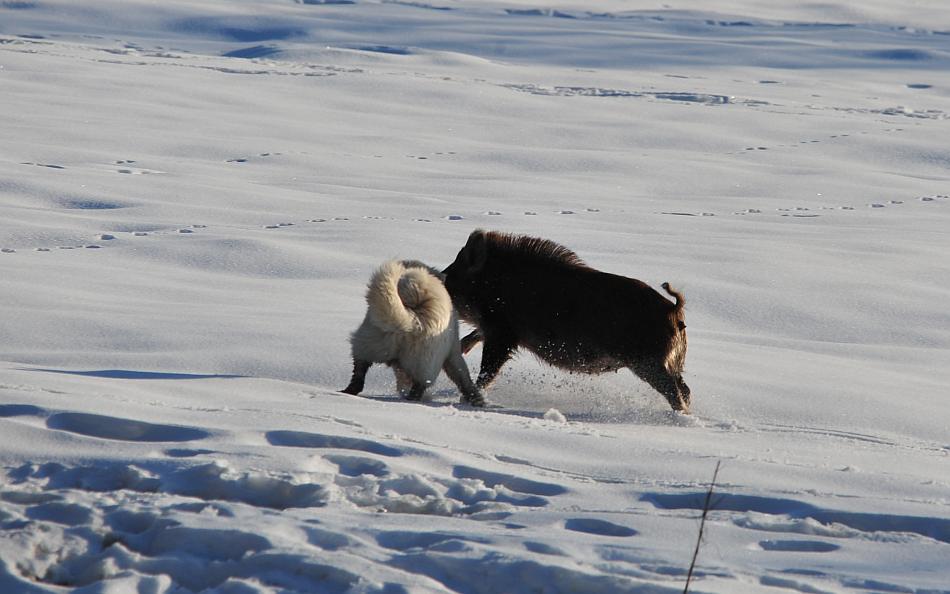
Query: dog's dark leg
(403,381)
(360,368)
(417,390)
(470,340)
(495,353)
(455,368)
(669,385)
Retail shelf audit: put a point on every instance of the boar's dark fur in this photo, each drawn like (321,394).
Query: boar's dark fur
(526,292)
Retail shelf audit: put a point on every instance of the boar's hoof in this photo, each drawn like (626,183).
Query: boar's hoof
(680,406)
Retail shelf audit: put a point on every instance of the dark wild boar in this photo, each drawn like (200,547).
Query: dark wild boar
(532,293)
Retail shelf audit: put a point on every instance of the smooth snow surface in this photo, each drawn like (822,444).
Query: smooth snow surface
(194,194)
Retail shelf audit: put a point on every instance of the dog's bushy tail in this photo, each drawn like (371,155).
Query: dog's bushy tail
(408,299)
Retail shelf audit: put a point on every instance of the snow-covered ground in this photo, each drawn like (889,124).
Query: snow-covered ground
(194,194)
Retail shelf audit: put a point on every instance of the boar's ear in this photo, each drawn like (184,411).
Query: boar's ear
(476,250)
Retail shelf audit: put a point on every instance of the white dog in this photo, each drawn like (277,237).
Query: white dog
(411,326)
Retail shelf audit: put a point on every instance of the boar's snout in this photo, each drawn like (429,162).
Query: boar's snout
(450,278)
(456,278)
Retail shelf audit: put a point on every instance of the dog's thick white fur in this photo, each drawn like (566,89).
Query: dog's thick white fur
(411,325)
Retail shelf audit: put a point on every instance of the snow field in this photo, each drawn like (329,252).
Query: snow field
(193,195)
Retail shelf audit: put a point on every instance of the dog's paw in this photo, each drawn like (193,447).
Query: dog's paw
(476,400)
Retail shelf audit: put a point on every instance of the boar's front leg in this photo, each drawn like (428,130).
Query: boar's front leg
(496,352)
(470,340)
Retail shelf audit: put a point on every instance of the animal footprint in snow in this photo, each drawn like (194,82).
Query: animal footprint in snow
(798,211)
(47,165)
(885,204)
(798,546)
(598,527)
(246,159)
(106,427)
(358,465)
(300,439)
(438,154)
(187,452)
(127,170)
(454,218)
(509,481)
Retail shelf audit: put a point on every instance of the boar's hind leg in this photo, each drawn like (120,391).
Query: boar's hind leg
(360,368)
(684,391)
(654,373)
(495,354)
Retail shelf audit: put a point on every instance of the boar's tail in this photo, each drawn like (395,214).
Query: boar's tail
(680,300)
(676,352)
